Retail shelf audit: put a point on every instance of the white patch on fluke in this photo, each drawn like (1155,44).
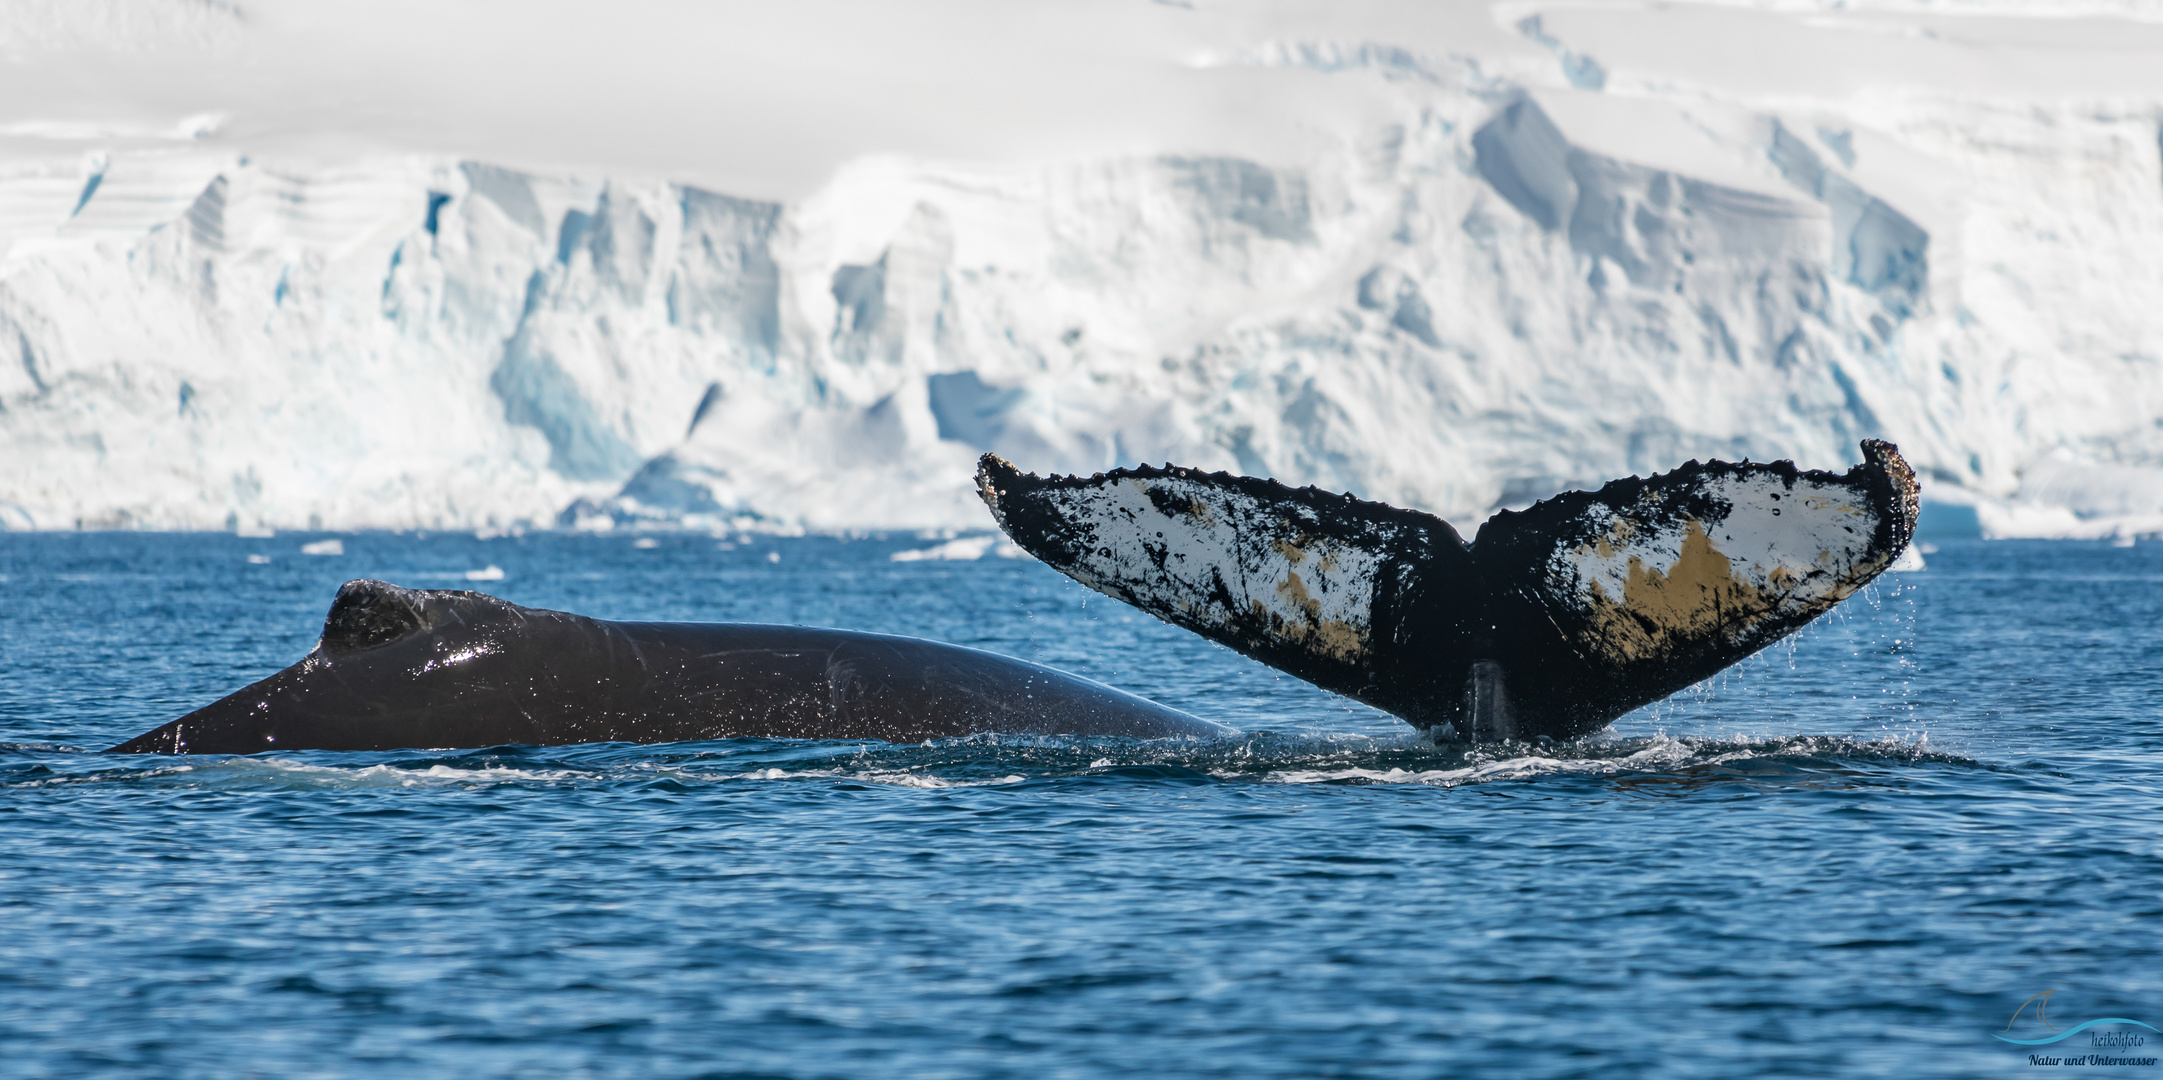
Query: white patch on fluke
(1779,549)
(1804,531)
(1220,556)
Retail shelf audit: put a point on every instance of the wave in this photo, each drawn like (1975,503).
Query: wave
(1642,763)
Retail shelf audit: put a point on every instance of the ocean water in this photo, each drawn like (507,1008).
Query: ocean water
(1857,854)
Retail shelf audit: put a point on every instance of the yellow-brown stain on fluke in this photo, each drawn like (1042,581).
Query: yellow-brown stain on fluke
(1620,530)
(1334,638)
(1295,552)
(1822,502)
(1700,596)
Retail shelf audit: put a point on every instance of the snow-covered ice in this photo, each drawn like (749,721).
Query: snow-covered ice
(1455,256)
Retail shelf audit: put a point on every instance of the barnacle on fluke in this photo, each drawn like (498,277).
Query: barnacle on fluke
(1554,621)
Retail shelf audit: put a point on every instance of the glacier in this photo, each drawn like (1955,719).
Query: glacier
(1491,276)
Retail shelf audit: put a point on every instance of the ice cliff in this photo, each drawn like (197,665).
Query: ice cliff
(1497,282)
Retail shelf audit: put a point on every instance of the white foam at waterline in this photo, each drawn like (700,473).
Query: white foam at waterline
(252,771)
(892,777)
(1506,769)
(1661,751)
(385,776)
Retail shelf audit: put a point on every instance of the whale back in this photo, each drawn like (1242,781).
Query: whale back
(406,668)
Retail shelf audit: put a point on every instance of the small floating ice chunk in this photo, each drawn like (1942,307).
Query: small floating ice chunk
(773,556)
(491,572)
(962,550)
(324,547)
(966,549)
(258,559)
(645,543)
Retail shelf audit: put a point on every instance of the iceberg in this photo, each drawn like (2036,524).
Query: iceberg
(1471,275)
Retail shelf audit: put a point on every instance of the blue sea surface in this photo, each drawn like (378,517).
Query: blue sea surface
(1856,854)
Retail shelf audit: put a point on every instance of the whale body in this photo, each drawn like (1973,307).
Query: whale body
(1550,623)
(404,668)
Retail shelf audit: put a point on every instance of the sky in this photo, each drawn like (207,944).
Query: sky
(770,99)
(759,99)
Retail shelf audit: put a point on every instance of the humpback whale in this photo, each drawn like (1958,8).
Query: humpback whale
(1550,623)
(411,668)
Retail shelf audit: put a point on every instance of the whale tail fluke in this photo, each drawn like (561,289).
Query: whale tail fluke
(1312,583)
(1553,622)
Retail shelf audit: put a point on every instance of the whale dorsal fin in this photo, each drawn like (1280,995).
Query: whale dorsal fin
(368,614)
(1557,620)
